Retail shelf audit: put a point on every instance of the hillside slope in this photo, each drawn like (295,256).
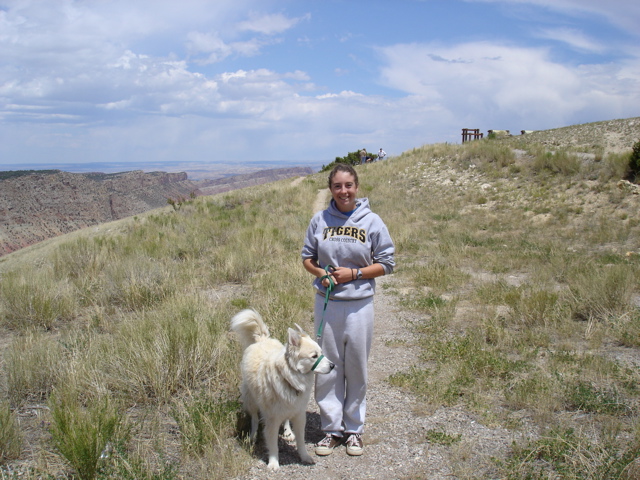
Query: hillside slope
(37,205)
(609,136)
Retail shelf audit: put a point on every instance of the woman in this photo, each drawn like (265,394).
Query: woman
(346,246)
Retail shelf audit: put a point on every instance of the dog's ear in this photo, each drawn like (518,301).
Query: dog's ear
(295,338)
(302,332)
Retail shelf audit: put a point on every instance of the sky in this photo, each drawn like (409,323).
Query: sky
(301,81)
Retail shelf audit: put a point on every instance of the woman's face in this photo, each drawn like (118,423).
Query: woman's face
(344,190)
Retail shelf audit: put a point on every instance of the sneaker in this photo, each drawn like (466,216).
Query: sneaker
(327,444)
(355,446)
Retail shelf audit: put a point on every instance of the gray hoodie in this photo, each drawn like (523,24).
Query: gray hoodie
(354,241)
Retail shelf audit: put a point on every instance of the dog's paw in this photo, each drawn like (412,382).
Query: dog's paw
(289,437)
(273,465)
(307,460)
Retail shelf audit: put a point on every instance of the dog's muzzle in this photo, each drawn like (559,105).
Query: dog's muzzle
(315,365)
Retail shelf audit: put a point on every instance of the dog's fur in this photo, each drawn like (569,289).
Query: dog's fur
(277,380)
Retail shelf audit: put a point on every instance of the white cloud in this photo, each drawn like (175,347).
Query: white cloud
(211,43)
(574,38)
(217,49)
(496,83)
(623,13)
(269,24)
(343,94)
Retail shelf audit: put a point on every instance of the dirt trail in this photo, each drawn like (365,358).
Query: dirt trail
(321,200)
(395,435)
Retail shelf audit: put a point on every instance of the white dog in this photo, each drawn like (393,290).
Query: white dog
(277,380)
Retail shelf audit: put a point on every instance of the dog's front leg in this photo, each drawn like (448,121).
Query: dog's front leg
(299,423)
(271,439)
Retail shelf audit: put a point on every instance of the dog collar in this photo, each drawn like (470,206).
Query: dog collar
(317,362)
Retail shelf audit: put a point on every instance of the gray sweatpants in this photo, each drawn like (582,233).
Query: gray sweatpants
(346,341)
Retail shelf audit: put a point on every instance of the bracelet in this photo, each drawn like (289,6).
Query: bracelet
(353,277)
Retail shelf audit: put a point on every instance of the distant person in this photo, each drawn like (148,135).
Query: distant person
(381,154)
(363,156)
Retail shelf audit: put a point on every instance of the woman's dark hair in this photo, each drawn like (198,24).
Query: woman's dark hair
(342,167)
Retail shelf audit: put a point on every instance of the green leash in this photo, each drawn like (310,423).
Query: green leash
(326,300)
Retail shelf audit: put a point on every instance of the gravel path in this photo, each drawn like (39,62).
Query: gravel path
(395,440)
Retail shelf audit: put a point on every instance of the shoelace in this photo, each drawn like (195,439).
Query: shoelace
(325,442)
(353,440)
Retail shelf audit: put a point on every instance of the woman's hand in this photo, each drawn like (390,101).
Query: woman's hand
(337,274)
(342,274)
(326,283)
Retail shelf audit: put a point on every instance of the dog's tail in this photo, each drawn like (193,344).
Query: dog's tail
(249,326)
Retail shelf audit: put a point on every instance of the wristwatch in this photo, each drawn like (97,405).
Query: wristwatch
(359,274)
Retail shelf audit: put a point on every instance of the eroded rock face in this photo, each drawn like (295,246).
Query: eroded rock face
(36,206)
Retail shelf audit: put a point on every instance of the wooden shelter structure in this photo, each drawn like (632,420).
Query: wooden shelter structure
(469,134)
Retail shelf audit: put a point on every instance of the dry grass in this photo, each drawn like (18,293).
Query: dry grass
(522,267)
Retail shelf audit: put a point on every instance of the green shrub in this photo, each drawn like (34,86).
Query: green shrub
(440,437)
(583,396)
(351,158)
(634,163)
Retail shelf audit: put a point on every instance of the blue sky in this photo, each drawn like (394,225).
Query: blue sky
(301,81)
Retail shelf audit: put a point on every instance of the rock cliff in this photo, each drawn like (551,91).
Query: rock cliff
(37,205)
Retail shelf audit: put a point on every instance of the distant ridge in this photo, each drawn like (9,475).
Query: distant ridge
(36,205)
(212,187)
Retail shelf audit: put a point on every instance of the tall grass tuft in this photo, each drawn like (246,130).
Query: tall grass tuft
(82,434)
(600,292)
(559,161)
(155,354)
(10,434)
(616,166)
(32,366)
(205,421)
(34,299)
(136,283)
(488,155)
(571,454)
(536,307)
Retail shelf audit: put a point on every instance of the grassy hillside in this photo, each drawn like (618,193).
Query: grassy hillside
(521,261)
